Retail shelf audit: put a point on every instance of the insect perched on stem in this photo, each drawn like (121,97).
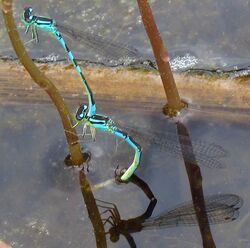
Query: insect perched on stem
(86,114)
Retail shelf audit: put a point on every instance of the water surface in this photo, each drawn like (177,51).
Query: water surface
(212,35)
(42,205)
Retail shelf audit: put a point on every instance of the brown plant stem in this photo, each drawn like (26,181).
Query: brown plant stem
(43,82)
(174,104)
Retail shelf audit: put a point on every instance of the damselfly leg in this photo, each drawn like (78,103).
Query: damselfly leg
(27,29)
(34,33)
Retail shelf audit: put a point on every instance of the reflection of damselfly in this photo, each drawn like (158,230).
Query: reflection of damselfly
(219,208)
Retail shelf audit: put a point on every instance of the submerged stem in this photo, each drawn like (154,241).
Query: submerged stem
(43,82)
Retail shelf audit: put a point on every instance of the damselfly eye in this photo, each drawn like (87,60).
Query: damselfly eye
(28,14)
(81,112)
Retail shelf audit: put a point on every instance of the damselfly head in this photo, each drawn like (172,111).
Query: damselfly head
(81,112)
(28,14)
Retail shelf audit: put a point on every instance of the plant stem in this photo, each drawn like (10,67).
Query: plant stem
(43,82)
(174,104)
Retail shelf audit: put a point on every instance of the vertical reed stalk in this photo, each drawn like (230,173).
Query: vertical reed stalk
(174,104)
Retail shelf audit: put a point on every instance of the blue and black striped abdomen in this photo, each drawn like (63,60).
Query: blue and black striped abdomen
(43,21)
(100,122)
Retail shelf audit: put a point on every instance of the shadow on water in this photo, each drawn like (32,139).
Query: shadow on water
(195,180)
